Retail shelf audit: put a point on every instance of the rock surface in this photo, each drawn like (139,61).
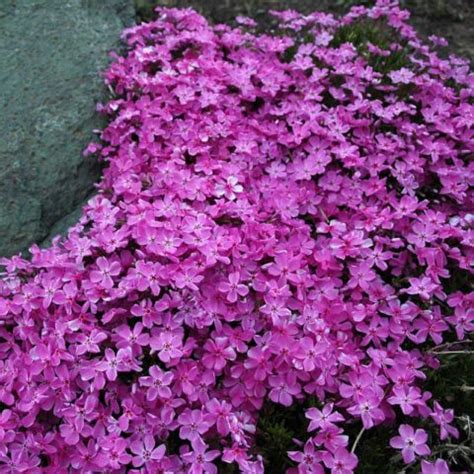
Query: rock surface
(51,55)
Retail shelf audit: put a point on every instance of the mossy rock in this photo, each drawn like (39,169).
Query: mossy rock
(51,56)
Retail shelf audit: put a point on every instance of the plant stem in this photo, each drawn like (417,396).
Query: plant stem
(450,344)
(452,352)
(356,442)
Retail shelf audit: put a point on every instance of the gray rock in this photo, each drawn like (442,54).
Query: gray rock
(52,53)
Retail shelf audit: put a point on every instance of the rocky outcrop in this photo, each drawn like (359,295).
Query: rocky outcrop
(51,56)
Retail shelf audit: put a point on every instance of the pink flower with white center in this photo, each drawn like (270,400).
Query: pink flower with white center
(407,397)
(258,362)
(411,442)
(168,344)
(424,287)
(443,418)
(285,265)
(200,459)
(379,257)
(236,454)
(322,419)
(145,452)
(15,461)
(340,462)
(284,388)
(220,413)
(130,411)
(218,352)
(112,363)
(115,451)
(128,337)
(188,277)
(463,321)
(440,466)
(50,287)
(308,460)
(233,288)
(276,309)
(193,424)
(104,273)
(368,410)
(358,385)
(145,275)
(87,457)
(306,356)
(90,343)
(362,276)
(402,76)
(158,383)
(65,297)
(230,188)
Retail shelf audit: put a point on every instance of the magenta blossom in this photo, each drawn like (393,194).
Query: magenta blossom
(438,467)
(282,218)
(411,442)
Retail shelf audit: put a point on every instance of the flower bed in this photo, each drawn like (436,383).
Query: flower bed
(283,219)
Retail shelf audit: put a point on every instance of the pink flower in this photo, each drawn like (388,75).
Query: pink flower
(308,460)
(443,418)
(112,363)
(104,273)
(115,451)
(200,459)
(217,353)
(193,424)
(284,388)
(258,361)
(322,419)
(341,461)
(129,337)
(220,413)
(421,286)
(403,76)
(259,233)
(91,342)
(233,288)
(411,443)
(407,397)
(308,353)
(168,344)
(463,321)
(158,383)
(188,278)
(438,467)
(146,452)
(368,410)
(230,189)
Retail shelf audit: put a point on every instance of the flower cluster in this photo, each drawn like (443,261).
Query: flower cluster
(281,218)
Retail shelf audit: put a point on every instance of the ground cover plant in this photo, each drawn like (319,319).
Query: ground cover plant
(281,245)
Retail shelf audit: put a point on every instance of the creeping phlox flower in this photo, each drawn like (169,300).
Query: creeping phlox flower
(278,221)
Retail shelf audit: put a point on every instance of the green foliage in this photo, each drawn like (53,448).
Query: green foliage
(276,429)
(378,33)
(452,9)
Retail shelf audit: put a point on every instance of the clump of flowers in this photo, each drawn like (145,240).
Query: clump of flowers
(281,218)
